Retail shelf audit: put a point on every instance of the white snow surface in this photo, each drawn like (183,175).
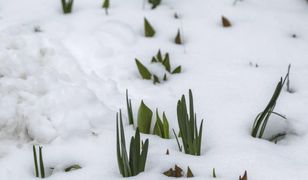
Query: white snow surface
(61,87)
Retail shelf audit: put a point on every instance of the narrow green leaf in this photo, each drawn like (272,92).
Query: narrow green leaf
(166,63)
(157,127)
(42,169)
(119,157)
(72,167)
(129,109)
(177,140)
(35,162)
(214,173)
(165,127)
(143,156)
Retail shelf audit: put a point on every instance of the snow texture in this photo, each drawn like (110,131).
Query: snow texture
(63,78)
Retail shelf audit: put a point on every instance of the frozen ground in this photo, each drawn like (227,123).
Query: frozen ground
(61,87)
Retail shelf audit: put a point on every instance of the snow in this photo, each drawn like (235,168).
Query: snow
(61,87)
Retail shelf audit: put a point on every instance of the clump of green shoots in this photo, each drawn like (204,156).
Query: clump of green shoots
(164,61)
(135,163)
(161,127)
(106,5)
(191,136)
(67,6)
(262,118)
(148,29)
(178,172)
(154,3)
(144,120)
(38,165)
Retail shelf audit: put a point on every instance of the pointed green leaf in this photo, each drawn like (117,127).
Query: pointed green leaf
(154,60)
(165,77)
(144,72)
(129,109)
(177,70)
(189,172)
(166,63)
(148,29)
(178,39)
(144,118)
(165,127)
(143,156)
(159,57)
(155,79)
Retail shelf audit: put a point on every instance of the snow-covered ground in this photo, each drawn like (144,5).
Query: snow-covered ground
(61,87)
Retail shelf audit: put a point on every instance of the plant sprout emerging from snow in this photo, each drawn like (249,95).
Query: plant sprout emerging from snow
(67,6)
(189,173)
(161,127)
(154,3)
(214,173)
(129,109)
(178,172)
(38,166)
(178,39)
(244,177)
(148,29)
(191,136)
(106,5)
(144,72)
(144,118)
(72,167)
(289,89)
(135,163)
(165,62)
(261,120)
(225,22)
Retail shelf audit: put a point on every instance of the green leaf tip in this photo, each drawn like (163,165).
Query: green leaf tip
(177,70)
(144,72)
(144,118)
(178,39)
(148,29)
